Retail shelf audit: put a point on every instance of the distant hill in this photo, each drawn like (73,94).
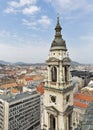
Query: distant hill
(73,63)
(28,64)
(4,62)
(21,63)
(39,64)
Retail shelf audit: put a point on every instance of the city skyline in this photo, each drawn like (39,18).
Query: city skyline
(27,29)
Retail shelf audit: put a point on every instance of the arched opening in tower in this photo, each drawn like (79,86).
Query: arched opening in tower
(54,74)
(52,122)
(66,73)
(69,121)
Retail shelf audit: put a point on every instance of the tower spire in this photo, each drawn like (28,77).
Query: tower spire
(58,18)
(58,28)
(58,42)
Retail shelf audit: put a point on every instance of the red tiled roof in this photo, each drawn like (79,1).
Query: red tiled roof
(40,88)
(29,78)
(9,85)
(15,91)
(21,76)
(80,96)
(21,85)
(79,104)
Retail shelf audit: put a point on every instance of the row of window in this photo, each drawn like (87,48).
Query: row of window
(23,103)
(24,109)
(23,125)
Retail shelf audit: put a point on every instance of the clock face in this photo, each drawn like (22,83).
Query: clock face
(53,99)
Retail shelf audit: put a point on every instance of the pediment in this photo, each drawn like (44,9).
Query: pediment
(68,110)
(52,59)
(66,59)
(52,109)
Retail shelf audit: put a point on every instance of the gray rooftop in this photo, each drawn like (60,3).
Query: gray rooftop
(10,98)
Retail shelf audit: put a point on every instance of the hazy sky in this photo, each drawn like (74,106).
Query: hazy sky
(27,29)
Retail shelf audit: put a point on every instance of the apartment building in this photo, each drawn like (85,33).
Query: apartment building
(21,111)
(81,103)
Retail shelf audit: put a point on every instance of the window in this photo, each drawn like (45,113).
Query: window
(52,99)
(52,122)
(67,98)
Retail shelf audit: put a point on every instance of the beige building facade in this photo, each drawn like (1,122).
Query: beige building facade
(58,90)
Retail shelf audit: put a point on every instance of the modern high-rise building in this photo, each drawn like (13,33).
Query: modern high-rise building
(58,89)
(20,112)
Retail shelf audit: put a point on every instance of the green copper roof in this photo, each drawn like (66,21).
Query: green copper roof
(58,42)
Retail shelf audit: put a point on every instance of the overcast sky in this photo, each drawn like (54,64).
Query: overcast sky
(27,29)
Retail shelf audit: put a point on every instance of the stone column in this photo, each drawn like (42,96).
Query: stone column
(48,121)
(58,80)
(67,123)
(49,75)
(61,125)
(61,73)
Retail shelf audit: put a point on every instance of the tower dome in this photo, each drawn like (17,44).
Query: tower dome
(58,42)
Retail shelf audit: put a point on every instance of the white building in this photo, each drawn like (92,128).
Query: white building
(20,112)
(58,89)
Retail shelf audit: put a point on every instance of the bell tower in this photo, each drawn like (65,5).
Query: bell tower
(58,89)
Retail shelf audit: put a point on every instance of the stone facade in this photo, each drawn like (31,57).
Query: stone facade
(58,90)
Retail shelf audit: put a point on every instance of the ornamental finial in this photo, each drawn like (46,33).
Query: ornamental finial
(58,18)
